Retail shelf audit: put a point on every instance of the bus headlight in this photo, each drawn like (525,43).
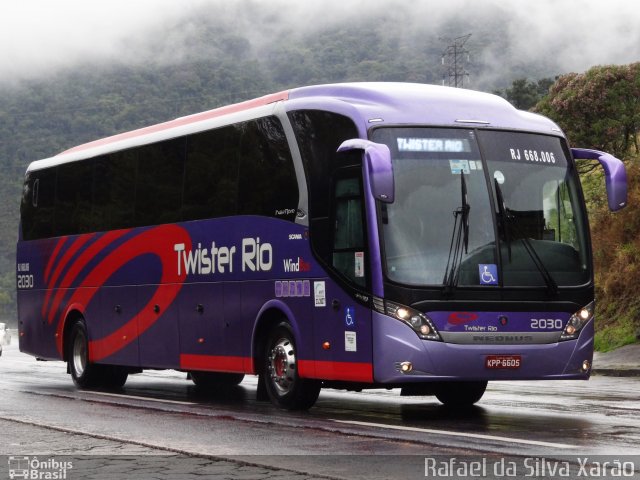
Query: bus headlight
(418,321)
(577,321)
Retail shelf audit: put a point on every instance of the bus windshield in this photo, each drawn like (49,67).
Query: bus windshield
(482,208)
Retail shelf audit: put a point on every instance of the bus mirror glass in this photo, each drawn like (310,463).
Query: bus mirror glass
(379,168)
(614,172)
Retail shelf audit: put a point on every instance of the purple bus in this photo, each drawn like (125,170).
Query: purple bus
(347,236)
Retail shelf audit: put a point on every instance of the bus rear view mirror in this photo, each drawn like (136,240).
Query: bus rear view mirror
(379,169)
(614,172)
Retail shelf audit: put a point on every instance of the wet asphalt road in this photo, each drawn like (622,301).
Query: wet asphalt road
(373,434)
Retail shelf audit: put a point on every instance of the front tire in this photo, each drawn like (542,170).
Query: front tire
(460,394)
(84,373)
(284,386)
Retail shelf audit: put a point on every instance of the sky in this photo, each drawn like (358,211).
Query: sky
(38,36)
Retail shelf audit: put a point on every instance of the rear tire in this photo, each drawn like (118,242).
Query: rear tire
(84,373)
(284,386)
(460,394)
(213,380)
(114,377)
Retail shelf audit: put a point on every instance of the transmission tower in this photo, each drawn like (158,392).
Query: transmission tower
(454,59)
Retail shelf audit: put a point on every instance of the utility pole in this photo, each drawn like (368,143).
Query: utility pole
(454,60)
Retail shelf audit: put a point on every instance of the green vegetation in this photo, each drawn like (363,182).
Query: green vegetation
(600,109)
(525,94)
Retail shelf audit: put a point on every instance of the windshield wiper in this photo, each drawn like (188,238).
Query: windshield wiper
(505,220)
(459,239)
(503,216)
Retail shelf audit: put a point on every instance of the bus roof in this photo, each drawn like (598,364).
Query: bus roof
(368,104)
(420,104)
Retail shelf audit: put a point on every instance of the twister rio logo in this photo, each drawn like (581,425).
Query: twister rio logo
(75,273)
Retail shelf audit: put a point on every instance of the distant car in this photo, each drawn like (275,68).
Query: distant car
(5,335)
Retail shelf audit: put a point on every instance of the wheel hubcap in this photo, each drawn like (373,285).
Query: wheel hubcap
(281,364)
(79,354)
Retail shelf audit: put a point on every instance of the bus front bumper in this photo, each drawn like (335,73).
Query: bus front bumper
(400,356)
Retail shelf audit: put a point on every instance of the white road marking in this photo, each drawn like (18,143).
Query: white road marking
(135,397)
(459,434)
(106,394)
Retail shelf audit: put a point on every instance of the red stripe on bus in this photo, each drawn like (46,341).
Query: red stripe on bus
(78,265)
(326,370)
(216,363)
(52,259)
(178,122)
(71,251)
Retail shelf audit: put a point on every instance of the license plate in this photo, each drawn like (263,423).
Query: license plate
(503,361)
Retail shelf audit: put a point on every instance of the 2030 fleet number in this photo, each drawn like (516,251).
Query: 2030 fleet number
(546,323)
(25,281)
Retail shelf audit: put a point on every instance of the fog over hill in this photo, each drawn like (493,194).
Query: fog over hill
(545,36)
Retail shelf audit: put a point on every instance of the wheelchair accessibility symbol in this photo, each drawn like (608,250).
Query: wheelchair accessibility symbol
(488,273)
(349,316)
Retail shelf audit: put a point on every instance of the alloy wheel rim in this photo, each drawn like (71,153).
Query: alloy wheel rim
(281,364)
(79,354)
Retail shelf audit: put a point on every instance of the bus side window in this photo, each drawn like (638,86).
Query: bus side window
(267,180)
(114,190)
(159,182)
(348,238)
(211,174)
(37,209)
(73,198)
(34,192)
(319,134)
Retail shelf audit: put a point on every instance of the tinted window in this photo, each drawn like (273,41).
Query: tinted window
(27,210)
(211,174)
(268,184)
(114,191)
(159,182)
(319,134)
(244,168)
(73,198)
(38,202)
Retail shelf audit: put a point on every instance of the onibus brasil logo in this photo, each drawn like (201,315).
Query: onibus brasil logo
(36,469)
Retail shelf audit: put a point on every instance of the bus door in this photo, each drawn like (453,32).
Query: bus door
(342,323)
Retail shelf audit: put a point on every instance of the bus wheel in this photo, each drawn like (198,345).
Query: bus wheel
(280,372)
(84,373)
(114,376)
(460,394)
(211,380)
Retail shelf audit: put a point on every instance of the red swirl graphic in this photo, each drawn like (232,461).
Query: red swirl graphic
(72,250)
(158,241)
(77,266)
